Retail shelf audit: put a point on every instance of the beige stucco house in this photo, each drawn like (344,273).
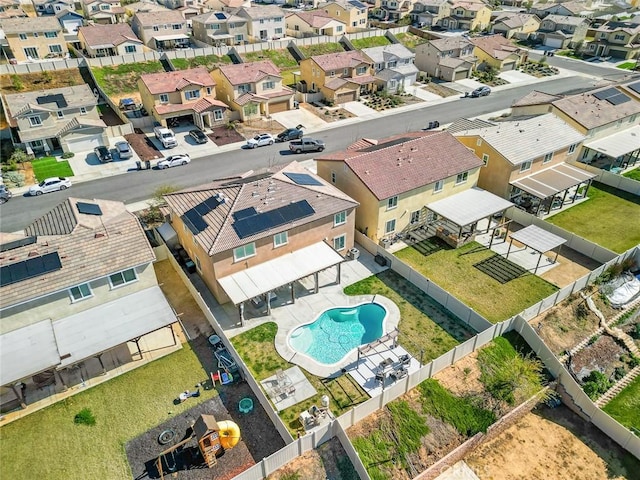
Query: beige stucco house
(449,58)
(353,14)
(515,25)
(34,38)
(615,39)
(103,11)
(161,30)
(220,28)
(109,40)
(467,15)
(313,24)
(497,52)
(264,22)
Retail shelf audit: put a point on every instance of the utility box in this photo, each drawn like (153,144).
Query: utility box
(380,260)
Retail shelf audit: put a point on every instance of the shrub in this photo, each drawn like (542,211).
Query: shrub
(68,154)
(636,331)
(15,178)
(596,384)
(619,372)
(16,81)
(634,361)
(19,156)
(84,417)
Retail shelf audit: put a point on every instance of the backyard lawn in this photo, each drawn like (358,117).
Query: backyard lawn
(48,444)
(370,42)
(625,407)
(633,174)
(124,78)
(320,49)
(280,58)
(210,62)
(604,218)
(46,167)
(454,271)
(410,40)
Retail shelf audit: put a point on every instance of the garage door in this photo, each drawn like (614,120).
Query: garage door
(346,97)
(279,107)
(84,144)
(509,66)
(553,42)
(461,75)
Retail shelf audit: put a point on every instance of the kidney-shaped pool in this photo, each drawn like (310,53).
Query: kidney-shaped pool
(337,331)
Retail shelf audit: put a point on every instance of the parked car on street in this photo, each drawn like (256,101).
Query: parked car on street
(48,185)
(103,154)
(481,92)
(306,145)
(198,136)
(260,140)
(5,194)
(290,134)
(124,150)
(174,161)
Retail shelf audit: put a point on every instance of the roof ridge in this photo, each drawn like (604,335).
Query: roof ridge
(227,219)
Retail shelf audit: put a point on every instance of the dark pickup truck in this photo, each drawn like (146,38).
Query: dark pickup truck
(306,145)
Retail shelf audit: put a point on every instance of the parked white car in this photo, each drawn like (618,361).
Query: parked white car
(261,140)
(48,185)
(174,161)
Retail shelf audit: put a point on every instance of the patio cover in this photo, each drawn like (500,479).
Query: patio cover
(101,328)
(551,181)
(537,238)
(618,144)
(27,351)
(469,206)
(267,276)
(175,36)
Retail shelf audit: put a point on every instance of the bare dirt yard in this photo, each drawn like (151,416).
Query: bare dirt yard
(552,443)
(30,82)
(250,128)
(143,146)
(330,114)
(224,136)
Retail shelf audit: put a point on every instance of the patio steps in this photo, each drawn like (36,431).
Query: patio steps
(617,388)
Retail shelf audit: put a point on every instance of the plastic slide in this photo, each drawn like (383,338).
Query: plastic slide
(229,434)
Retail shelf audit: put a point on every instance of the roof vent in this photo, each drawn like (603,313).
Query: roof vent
(254,194)
(33,253)
(99,235)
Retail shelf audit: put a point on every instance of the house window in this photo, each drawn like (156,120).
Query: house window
(415,217)
(485,159)
(333,177)
(339,28)
(208,90)
(177,26)
(164,98)
(191,94)
(156,28)
(83,111)
(392,84)
(122,278)
(239,38)
(80,292)
(36,144)
(339,242)
(60,114)
(619,37)
(392,203)
(215,26)
(35,121)
(572,148)
(268,85)
(278,19)
(244,88)
(392,64)
(198,265)
(130,49)
(462,178)
(104,7)
(50,34)
(55,48)
(261,20)
(218,115)
(332,73)
(439,185)
(23,36)
(280,239)
(526,166)
(278,31)
(361,70)
(479,142)
(390,226)
(548,157)
(35,35)
(245,251)
(340,218)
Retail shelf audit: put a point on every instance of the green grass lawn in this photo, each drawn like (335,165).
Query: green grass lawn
(625,407)
(288,78)
(604,218)
(454,271)
(210,62)
(123,78)
(627,65)
(320,49)
(280,58)
(369,42)
(48,445)
(410,40)
(46,167)
(633,174)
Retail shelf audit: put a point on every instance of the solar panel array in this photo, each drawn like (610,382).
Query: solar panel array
(609,92)
(635,87)
(89,208)
(32,267)
(357,4)
(303,179)
(244,213)
(220,16)
(58,99)
(193,217)
(18,243)
(390,143)
(262,222)
(618,99)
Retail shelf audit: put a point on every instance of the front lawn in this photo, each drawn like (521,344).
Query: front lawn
(123,78)
(210,62)
(46,167)
(633,174)
(320,49)
(454,271)
(280,58)
(605,218)
(628,65)
(48,444)
(369,42)
(625,407)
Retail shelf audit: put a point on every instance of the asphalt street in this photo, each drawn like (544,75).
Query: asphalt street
(140,185)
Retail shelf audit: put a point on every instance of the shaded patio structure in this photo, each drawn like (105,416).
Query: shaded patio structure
(456,217)
(615,152)
(258,283)
(548,189)
(539,240)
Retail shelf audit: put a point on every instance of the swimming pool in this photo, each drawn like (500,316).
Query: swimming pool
(337,331)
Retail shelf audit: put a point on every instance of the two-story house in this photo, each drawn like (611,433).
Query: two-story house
(77,284)
(567,9)
(251,235)
(394,10)
(353,13)
(70,20)
(253,89)
(615,39)
(51,7)
(340,77)
(108,40)
(220,28)
(526,161)
(103,11)
(313,24)
(34,38)
(515,25)
(430,12)
(143,6)
(64,119)
(395,178)
(448,58)
(164,30)
(182,94)
(497,52)
(558,31)
(264,22)
(11,9)
(394,67)
(229,6)
(467,15)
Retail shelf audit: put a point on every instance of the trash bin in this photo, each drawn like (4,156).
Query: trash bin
(138,164)
(147,164)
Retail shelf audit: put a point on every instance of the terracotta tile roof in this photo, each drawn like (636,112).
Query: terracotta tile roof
(249,72)
(256,12)
(335,83)
(315,19)
(29,25)
(495,45)
(114,34)
(467,5)
(565,20)
(339,60)
(198,106)
(407,161)
(450,43)
(166,82)
(263,191)
(89,247)
(535,98)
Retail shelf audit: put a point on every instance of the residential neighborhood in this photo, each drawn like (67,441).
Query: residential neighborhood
(341,239)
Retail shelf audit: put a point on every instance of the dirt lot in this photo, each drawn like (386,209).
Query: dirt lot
(332,114)
(143,146)
(224,136)
(250,128)
(603,355)
(440,90)
(552,444)
(40,81)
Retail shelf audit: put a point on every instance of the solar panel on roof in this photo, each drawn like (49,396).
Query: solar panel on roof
(609,92)
(618,99)
(357,4)
(194,222)
(390,143)
(635,87)
(17,243)
(212,203)
(247,212)
(302,179)
(32,267)
(220,15)
(58,99)
(89,208)
(262,222)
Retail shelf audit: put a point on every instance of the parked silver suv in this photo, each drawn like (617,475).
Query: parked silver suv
(5,194)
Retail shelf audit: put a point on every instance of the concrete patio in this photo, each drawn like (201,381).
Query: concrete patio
(288,388)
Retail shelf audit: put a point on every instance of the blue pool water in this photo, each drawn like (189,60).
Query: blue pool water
(337,331)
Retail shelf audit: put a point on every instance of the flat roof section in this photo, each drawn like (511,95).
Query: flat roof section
(553,180)
(618,144)
(469,206)
(537,238)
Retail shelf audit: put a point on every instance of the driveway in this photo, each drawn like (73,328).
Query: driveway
(359,109)
(299,116)
(514,76)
